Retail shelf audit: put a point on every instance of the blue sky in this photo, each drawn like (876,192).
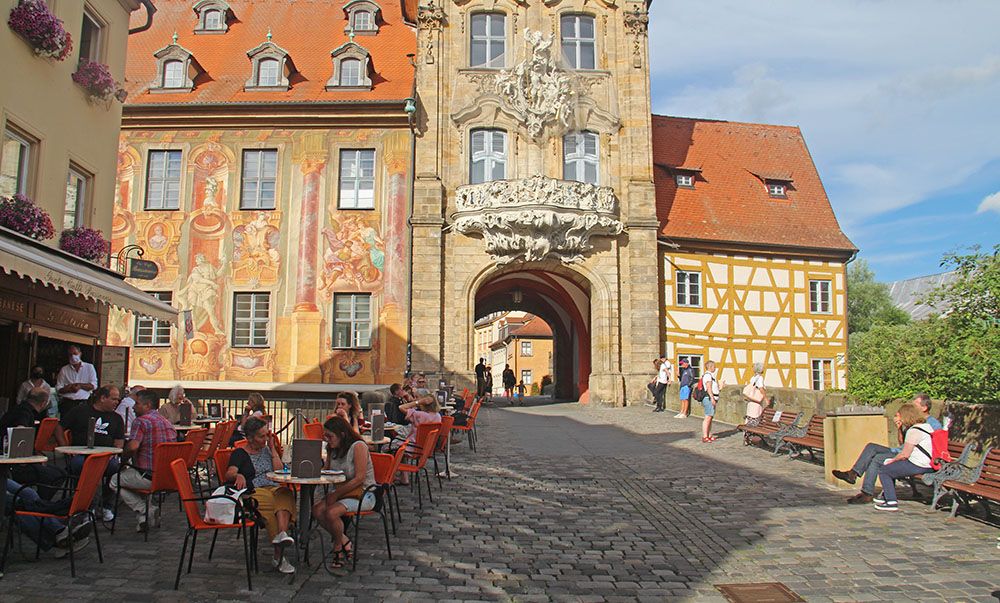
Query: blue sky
(899,102)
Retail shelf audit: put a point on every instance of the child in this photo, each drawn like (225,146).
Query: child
(520,392)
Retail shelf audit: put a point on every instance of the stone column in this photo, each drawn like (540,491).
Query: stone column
(305,279)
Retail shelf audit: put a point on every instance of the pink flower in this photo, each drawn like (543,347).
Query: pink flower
(96,79)
(86,243)
(33,21)
(20,214)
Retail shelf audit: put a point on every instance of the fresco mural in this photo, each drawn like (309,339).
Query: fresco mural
(208,249)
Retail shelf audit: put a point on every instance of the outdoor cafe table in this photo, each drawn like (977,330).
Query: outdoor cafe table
(208,420)
(377,443)
(87,450)
(186,427)
(306,487)
(5,463)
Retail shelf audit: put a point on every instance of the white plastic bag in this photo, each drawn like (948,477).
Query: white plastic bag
(222,510)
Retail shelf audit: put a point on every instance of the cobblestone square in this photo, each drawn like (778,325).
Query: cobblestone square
(574,503)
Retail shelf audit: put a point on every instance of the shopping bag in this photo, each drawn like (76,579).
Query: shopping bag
(222,510)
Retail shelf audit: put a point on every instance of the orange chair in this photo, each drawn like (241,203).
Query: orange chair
(222,462)
(163,480)
(91,477)
(223,431)
(197,524)
(382,466)
(442,446)
(313,431)
(197,439)
(45,440)
(426,448)
(470,426)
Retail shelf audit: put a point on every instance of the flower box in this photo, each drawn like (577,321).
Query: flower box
(33,21)
(20,214)
(97,80)
(86,243)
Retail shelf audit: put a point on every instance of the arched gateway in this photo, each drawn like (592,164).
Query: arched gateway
(531,176)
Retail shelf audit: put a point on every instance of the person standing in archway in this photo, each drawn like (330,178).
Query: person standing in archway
(663,377)
(509,381)
(481,378)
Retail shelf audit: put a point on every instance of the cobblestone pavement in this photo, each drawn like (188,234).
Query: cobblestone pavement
(573,503)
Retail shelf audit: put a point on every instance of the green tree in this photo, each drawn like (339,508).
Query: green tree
(974,295)
(868,301)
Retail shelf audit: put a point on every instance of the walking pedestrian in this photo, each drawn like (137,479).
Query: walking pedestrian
(509,381)
(711,385)
(481,377)
(686,381)
(756,395)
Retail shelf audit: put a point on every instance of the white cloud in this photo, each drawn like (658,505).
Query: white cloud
(990,203)
(895,106)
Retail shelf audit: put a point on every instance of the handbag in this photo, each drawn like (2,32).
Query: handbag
(752,392)
(222,510)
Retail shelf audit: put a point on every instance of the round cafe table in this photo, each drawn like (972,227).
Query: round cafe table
(207,420)
(186,427)
(5,464)
(377,443)
(87,450)
(306,487)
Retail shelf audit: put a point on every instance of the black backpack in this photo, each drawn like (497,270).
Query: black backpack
(698,393)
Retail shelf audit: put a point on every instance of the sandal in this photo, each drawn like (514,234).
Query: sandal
(707,440)
(337,559)
(712,438)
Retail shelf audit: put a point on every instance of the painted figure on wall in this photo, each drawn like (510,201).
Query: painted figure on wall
(157,237)
(255,250)
(354,252)
(201,293)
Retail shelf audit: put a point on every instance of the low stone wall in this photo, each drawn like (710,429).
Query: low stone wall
(972,422)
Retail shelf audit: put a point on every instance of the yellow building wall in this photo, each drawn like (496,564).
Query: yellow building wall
(539,362)
(210,248)
(756,309)
(40,98)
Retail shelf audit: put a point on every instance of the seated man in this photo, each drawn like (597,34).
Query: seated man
(45,531)
(109,430)
(874,456)
(149,428)
(34,408)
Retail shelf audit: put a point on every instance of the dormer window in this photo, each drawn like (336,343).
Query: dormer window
(362,17)
(776,183)
(352,67)
(776,189)
(176,69)
(270,67)
(213,16)
(685,180)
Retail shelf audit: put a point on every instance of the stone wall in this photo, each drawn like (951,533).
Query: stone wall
(972,422)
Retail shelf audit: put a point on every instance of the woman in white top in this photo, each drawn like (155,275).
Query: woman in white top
(756,409)
(711,385)
(913,459)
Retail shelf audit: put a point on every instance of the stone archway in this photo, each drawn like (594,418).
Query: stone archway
(559,297)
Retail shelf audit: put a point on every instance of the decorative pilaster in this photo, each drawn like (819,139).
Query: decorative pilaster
(312,165)
(637,24)
(430,21)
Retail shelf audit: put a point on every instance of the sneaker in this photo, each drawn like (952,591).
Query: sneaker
(860,499)
(82,530)
(680,415)
(283,566)
(879,500)
(62,536)
(887,506)
(847,476)
(282,538)
(106,514)
(61,551)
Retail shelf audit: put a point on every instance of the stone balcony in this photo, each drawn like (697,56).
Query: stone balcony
(536,218)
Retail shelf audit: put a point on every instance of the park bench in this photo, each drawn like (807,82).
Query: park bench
(809,438)
(768,430)
(965,484)
(960,454)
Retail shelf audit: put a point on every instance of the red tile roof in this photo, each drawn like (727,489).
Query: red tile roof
(307,29)
(729,203)
(536,327)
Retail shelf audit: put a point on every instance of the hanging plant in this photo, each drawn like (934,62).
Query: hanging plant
(33,21)
(97,80)
(86,243)
(20,214)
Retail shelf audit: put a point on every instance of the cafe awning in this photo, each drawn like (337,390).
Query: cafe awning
(27,258)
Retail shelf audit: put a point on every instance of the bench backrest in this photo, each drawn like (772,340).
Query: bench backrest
(786,418)
(815,428)
(990,475)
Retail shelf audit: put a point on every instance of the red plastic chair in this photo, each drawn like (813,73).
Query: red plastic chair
(442,446)
(382,467)
(470,426)
(91,478)
(223,431)
(45,440)
(222,462)
(313,431)
(197,438)
(426,448)
(163,480)
(196,524)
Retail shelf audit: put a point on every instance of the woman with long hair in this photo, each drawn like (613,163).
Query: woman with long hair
(348,406)
(347,452)
(913,459)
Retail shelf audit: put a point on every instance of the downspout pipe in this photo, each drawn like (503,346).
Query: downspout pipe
(150,9)
(411,114)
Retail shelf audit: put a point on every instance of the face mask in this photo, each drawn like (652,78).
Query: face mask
(75,358)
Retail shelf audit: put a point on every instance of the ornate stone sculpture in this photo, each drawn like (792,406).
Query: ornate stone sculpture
(636,24)
(536,89)
(430,19)
(536,218)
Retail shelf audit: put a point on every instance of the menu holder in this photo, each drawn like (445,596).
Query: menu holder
(307,458)
(214,410)
(378,426)
(186,411)
(20,442)
(91,427)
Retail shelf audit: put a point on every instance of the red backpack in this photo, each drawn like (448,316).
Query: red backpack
(939,448)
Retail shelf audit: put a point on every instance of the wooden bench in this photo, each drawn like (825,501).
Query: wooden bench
(982,482)
(809,438)
(959,452)
(768,429)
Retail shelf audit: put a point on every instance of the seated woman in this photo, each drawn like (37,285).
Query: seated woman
(248,468)
(425,410)
(913,459)
(347,452)
(254,408)
(344,406)
(175,399)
